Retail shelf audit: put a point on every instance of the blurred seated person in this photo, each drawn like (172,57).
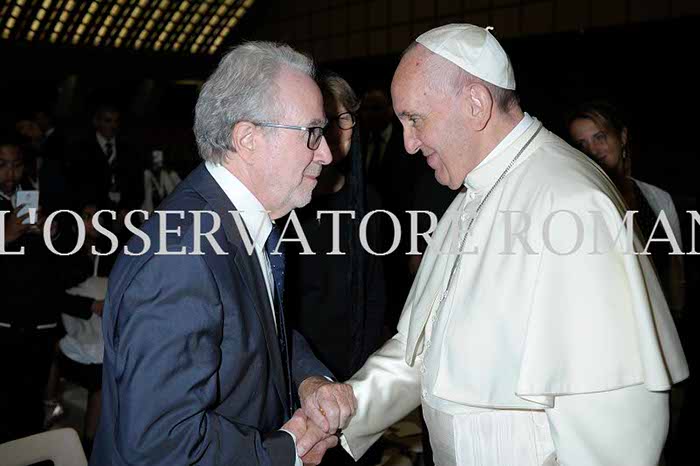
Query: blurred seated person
(599,130)
(337,301)
(79,357)
(30,300)
(158,182)
(104,167)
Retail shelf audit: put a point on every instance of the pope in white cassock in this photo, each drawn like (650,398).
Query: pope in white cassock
(537,345)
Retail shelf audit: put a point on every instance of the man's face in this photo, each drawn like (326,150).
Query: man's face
(432,121)
(107,123)
(289,169)
(11,169)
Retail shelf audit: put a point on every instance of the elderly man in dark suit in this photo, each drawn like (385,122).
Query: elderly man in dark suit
(199,367)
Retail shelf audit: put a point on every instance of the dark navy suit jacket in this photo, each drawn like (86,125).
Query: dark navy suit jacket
(192,368)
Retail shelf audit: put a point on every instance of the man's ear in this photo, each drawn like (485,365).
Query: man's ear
(479,103)
(243,138)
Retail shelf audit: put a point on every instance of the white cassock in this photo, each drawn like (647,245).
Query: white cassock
(542,352)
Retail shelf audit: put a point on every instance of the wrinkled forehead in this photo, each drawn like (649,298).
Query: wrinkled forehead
(410,84)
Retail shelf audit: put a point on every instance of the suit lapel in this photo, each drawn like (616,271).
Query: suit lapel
(249,268)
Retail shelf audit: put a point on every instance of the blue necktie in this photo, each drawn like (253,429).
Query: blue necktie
(277,264)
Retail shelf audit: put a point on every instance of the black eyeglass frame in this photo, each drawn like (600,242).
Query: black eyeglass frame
(315,132)
(340,115)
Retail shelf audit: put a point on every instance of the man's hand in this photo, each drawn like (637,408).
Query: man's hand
(311,441)
(315,455)
(14,228)
(329,405)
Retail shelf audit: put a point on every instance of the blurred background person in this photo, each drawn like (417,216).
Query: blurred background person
(43,152)
(158,181)
(29,304)
(599,130)
(338,301)
(79,355)
(393,173)
(105,167)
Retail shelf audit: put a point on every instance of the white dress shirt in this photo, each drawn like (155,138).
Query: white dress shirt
(102,141)
(259,225)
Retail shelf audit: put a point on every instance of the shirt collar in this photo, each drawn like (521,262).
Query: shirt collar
(103,140)
(254,216)
(489,169)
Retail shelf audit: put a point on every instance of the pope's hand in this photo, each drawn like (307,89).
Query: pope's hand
(329,405)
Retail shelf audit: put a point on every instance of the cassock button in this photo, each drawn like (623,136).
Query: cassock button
(422,369)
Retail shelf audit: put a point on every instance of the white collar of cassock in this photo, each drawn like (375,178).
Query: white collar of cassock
(489,169)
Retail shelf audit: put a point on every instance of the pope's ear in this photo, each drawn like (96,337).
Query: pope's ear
(479,106)
(243,139)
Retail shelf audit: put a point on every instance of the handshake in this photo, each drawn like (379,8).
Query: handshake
(326,407)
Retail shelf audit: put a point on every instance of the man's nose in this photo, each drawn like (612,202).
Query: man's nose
(323,153)
(410,141)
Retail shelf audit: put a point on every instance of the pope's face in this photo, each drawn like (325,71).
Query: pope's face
(432,121)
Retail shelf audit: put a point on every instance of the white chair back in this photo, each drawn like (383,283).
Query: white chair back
(62,446)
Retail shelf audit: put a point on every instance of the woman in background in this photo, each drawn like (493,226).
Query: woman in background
(600,132)
(337,301)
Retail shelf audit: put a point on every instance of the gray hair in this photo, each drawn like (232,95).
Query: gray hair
(335,87)
(449,78)
(242,88)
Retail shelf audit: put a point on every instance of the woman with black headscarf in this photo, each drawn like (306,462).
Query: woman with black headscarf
(337,301)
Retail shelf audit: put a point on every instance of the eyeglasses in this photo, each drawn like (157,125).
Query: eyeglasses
(315,132)
(345,120)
